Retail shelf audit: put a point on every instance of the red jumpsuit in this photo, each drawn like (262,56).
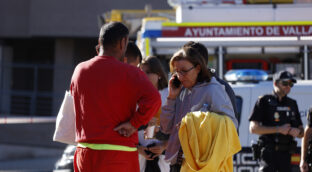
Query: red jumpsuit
(106,93)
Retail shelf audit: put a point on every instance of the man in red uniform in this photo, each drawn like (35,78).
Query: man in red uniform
(112,100)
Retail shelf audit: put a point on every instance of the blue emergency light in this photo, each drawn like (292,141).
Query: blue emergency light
(246,75)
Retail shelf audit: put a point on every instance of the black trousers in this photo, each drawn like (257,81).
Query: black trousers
(175,168)
(275,161)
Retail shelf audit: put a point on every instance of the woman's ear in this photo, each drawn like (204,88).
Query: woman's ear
(198,68)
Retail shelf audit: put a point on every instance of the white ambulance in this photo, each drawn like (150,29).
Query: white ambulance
(237,36)
(271,37)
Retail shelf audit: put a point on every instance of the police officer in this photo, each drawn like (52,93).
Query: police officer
(306,142)
(276,119)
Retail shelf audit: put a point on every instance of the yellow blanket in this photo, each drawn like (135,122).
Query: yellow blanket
(209,142)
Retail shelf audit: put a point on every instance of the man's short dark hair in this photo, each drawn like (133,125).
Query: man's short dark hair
(111,33)
(133,52)
(200,48)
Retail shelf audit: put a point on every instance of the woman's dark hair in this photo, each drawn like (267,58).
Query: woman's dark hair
(193,56)
(154,66)
(200,48)
(111,33)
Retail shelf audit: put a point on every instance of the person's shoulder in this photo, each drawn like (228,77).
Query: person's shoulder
(82,65)
(88,62)
(124,66)
(291,100)
(132,71)
(213,81)
(223,82)
(265,97)
(212,85)
(310,111)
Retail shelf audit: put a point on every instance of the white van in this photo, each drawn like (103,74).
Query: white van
(246,97)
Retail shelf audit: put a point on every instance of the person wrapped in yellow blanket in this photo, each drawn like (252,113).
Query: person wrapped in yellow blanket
(208,141)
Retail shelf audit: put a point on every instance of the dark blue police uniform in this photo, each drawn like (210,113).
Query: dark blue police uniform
(309,117)
(276,148)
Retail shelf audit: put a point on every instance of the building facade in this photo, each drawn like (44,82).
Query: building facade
(40,44)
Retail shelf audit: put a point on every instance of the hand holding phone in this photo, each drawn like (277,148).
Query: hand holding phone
(174,88)
(176,82)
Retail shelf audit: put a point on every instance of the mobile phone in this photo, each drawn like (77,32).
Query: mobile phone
(176,82)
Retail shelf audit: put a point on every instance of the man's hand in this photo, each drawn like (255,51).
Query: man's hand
(294,132)
(303,166)
(178,125)
(158,149)
(152,122)
(125,129)
(141,150)
(284,129)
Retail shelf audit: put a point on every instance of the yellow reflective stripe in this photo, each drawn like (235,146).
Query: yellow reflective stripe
(107,147)
(272,23)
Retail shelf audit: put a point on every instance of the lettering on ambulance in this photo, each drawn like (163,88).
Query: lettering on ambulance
(297,30)
(303,114)
(272,31)
(236,31)
(223,31)
(243,161)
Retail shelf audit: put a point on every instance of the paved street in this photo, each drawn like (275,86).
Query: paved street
(28,147)
(44,164)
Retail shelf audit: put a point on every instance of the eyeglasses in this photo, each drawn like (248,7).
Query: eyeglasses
(287,83)
(184,72)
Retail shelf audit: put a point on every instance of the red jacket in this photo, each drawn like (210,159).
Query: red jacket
(106,93)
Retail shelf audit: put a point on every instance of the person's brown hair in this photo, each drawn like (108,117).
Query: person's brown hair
(154,66)
(200,48)
(193,56)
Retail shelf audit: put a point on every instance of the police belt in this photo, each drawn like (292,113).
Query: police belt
(278,142)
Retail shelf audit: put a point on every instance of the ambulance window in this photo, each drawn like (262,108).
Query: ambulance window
(239,104)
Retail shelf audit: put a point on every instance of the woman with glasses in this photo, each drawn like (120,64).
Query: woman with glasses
(198,91)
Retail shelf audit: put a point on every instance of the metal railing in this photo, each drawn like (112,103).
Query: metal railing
(28,89)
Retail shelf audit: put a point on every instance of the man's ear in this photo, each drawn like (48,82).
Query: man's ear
(125,59)
(275,83)
(122,43)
